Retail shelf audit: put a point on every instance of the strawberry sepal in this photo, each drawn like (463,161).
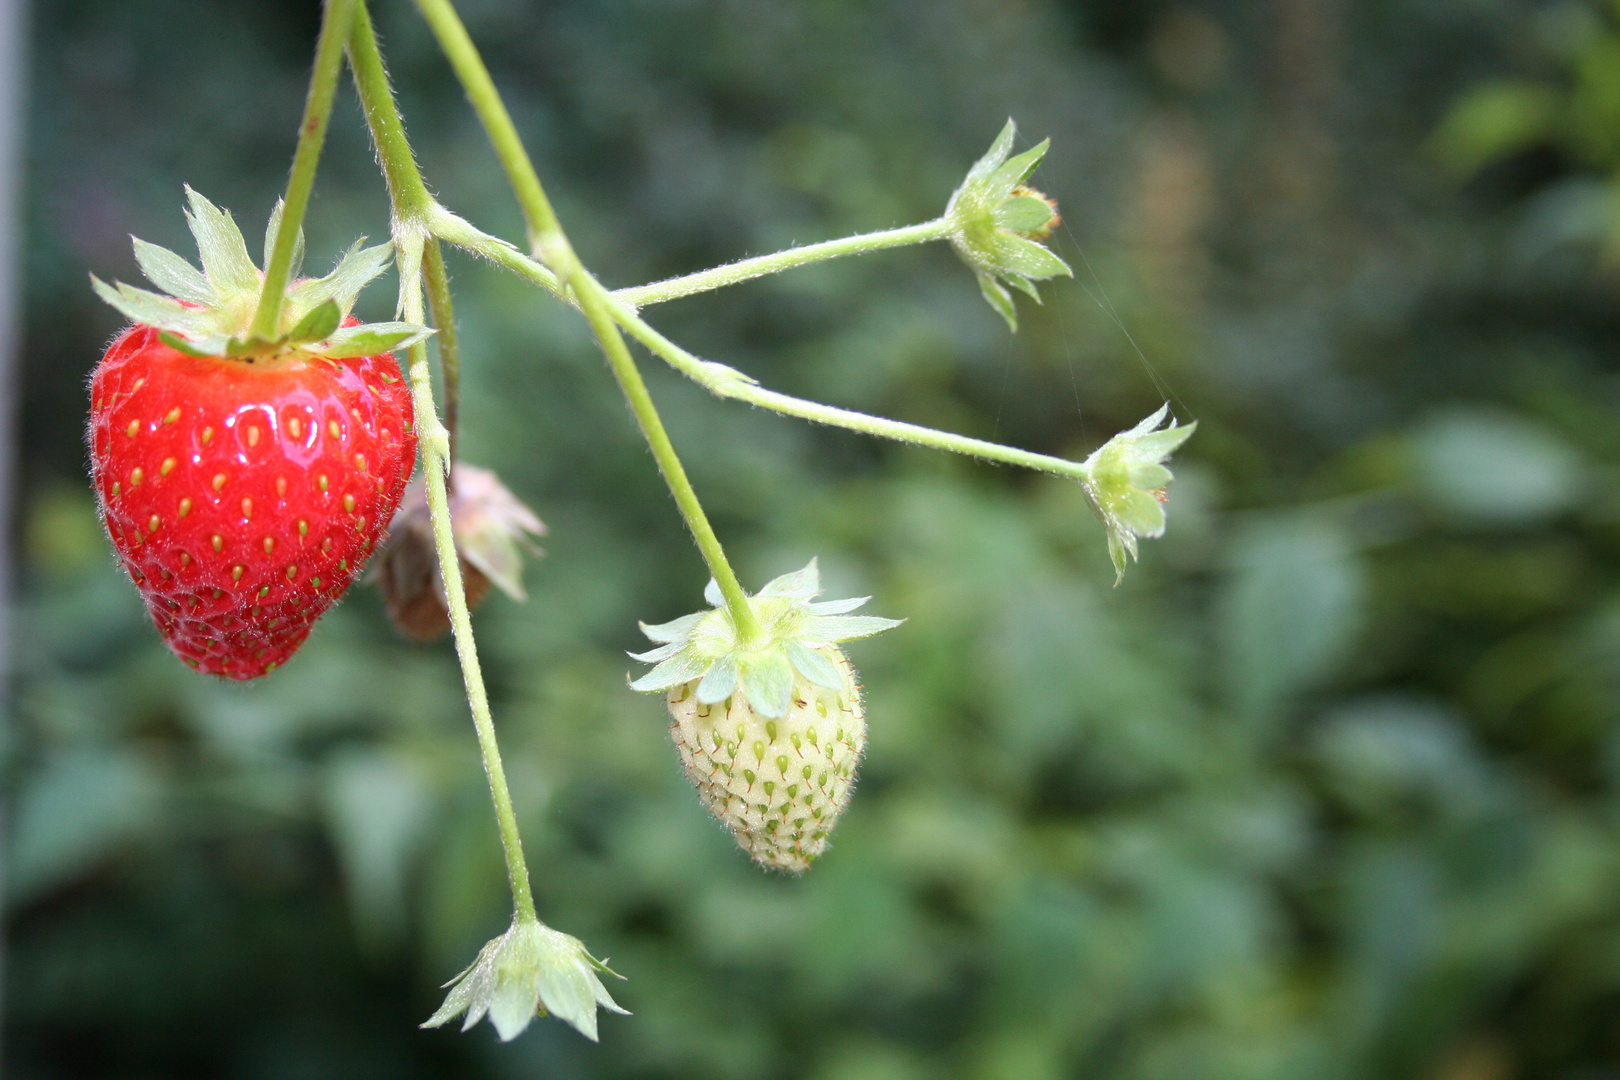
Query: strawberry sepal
(210,312)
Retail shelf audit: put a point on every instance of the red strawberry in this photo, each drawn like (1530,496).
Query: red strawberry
(245,488)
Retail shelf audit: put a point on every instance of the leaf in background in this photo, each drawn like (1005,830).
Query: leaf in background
(1385,756)
(378,808)
(1493,121)
(73,811)
(1491,467)
(1292,605)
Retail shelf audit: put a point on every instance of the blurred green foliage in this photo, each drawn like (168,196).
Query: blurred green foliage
(1329,788)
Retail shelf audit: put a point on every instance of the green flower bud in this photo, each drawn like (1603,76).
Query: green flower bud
(526,972)
(996,221)
(1126,481)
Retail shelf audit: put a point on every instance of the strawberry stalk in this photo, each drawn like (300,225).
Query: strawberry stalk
(726,382)
(336,20)
(437,282)
(550,244)
(734,273)
(411,202)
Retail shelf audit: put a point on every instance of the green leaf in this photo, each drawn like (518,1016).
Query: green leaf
(1026,257)
(1016,170)
(225,257)
(357,268)
(377,809)
(831,629)
(370,339)
(836,607)
(1158,445)
(1023,214)
(675,629)
(992,159)
(1023,285)
(1493,468)
(153,309)
(270,233)
(768,682)
(1293,603)
(74,809)
(680,668)
(658,655)
(1492,121)
(192,348)
(317,325)
(815,666)
(720,681)
(1000,299)
(799,585)
(173,274)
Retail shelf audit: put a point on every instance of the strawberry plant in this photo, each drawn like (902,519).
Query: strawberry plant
(250,441)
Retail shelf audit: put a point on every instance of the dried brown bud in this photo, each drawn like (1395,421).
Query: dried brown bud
(488,523)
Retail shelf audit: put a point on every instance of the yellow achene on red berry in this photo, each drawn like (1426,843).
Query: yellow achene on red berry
(244,497)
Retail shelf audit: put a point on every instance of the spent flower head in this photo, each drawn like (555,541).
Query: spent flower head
(491,527)
(796,634)
(529,971)
(1125,483)
(996,221)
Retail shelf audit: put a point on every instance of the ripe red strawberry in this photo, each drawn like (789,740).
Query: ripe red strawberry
(245,487)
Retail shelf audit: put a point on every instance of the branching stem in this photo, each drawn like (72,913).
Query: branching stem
(550,244)
(726,382)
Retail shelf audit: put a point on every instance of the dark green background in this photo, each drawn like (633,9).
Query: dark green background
(1329,788)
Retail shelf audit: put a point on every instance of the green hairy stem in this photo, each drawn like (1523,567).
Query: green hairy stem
(411,201)
(747,269)
(420,223)
(437,281)
(548,241)
(336,21)
(727,382)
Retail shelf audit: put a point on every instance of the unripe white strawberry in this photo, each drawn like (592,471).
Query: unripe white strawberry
(778,785)
(771,729)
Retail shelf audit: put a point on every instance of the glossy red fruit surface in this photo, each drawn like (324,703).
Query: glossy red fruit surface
(244,497)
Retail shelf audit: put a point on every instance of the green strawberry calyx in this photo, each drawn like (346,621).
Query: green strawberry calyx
(796,634)
(529,971)
(996,222)
(210,312)
(1125,482)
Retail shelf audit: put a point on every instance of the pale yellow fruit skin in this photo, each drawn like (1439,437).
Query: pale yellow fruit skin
(778,785)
